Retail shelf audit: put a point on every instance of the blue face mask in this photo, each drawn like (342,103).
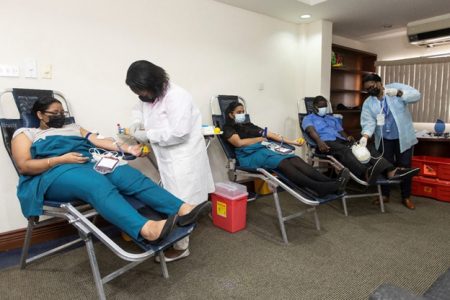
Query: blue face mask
(239,118)
(322,111)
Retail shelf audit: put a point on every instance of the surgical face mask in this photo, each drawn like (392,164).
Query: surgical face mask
(146,99)
(56,121)
(239,118)
(373,91)
(322,111)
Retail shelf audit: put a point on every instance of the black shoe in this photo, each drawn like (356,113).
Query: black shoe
(167,229)
(193,215)
(402,173)
(343,179)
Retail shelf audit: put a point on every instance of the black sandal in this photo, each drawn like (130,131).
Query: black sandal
(193,215)
(167,229)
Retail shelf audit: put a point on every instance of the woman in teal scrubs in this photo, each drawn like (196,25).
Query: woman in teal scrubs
(251,153)
(55,163)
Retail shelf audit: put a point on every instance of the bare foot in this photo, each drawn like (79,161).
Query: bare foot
(185,209)
(152,229)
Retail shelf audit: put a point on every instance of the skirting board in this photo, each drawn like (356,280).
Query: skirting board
(14,239)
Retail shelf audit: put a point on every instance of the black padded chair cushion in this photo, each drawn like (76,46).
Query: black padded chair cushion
(219,121)
(8,127)
(25,98)
(309,104)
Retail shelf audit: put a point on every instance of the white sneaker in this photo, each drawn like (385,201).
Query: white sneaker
(183,254)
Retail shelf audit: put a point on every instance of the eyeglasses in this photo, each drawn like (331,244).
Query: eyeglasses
(55,113)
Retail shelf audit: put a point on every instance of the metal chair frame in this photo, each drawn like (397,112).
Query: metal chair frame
(79,214)
(313,157)
(274,182)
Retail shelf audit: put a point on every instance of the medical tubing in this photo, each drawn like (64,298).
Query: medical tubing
(381,155)
(118,147)
(102,152)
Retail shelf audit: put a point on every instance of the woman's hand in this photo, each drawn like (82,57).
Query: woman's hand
(71,158)
(299,142)
(137,150)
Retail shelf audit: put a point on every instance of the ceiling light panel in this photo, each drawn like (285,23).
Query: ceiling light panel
(311,2)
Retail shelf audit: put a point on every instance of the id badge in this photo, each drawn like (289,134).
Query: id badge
(106,165)
(380,119)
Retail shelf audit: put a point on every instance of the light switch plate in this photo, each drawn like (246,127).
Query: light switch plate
(47,72)
(30,68)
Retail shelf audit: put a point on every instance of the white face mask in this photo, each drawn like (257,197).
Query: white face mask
(322,111)
(239,118)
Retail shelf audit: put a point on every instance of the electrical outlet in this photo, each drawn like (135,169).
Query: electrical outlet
(9,71)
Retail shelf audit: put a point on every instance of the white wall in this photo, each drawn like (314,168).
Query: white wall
(343,41)
(207,47)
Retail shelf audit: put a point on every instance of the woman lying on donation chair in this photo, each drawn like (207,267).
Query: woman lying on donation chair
(55,163)
(247,137)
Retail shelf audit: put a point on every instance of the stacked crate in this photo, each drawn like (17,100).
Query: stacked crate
(434,177)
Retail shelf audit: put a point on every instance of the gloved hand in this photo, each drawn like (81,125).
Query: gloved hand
(134,127)
(141,136)
(363,141)
(391,92)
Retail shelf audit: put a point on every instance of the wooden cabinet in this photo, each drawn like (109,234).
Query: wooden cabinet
(346,84)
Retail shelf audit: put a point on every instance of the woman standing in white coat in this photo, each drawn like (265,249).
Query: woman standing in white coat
(167,117)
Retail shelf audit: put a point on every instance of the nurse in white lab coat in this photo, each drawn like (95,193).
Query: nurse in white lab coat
(167,117)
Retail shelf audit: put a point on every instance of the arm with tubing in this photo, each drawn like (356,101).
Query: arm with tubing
(237,142)
(21,146)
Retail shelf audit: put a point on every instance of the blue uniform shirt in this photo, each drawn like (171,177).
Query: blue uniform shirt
(390,129)
(327,127)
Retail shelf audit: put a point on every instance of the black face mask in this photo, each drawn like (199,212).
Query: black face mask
(56,121)
(146,99)
(373,91)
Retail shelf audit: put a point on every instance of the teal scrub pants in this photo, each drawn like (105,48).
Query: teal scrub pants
(104,193)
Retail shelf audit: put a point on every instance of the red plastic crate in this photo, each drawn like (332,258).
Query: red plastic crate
(433,188)
(229,214)
(432,166)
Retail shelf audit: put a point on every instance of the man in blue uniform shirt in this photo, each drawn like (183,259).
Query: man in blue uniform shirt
(327,132)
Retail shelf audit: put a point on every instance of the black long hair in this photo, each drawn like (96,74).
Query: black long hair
(142,75)
(42,104)
(232,106)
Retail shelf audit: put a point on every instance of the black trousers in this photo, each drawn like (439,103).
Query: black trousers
(304,175)
(341,150)
(393,155)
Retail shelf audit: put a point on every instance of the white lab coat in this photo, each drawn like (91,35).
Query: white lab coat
(173,126)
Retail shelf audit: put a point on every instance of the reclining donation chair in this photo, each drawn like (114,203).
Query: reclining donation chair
(274,178)
(314,156)
(77,213)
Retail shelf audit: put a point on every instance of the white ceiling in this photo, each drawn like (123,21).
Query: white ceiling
(353,19)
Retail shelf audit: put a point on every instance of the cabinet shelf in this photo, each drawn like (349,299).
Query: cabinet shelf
(352,71)
(346,83)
